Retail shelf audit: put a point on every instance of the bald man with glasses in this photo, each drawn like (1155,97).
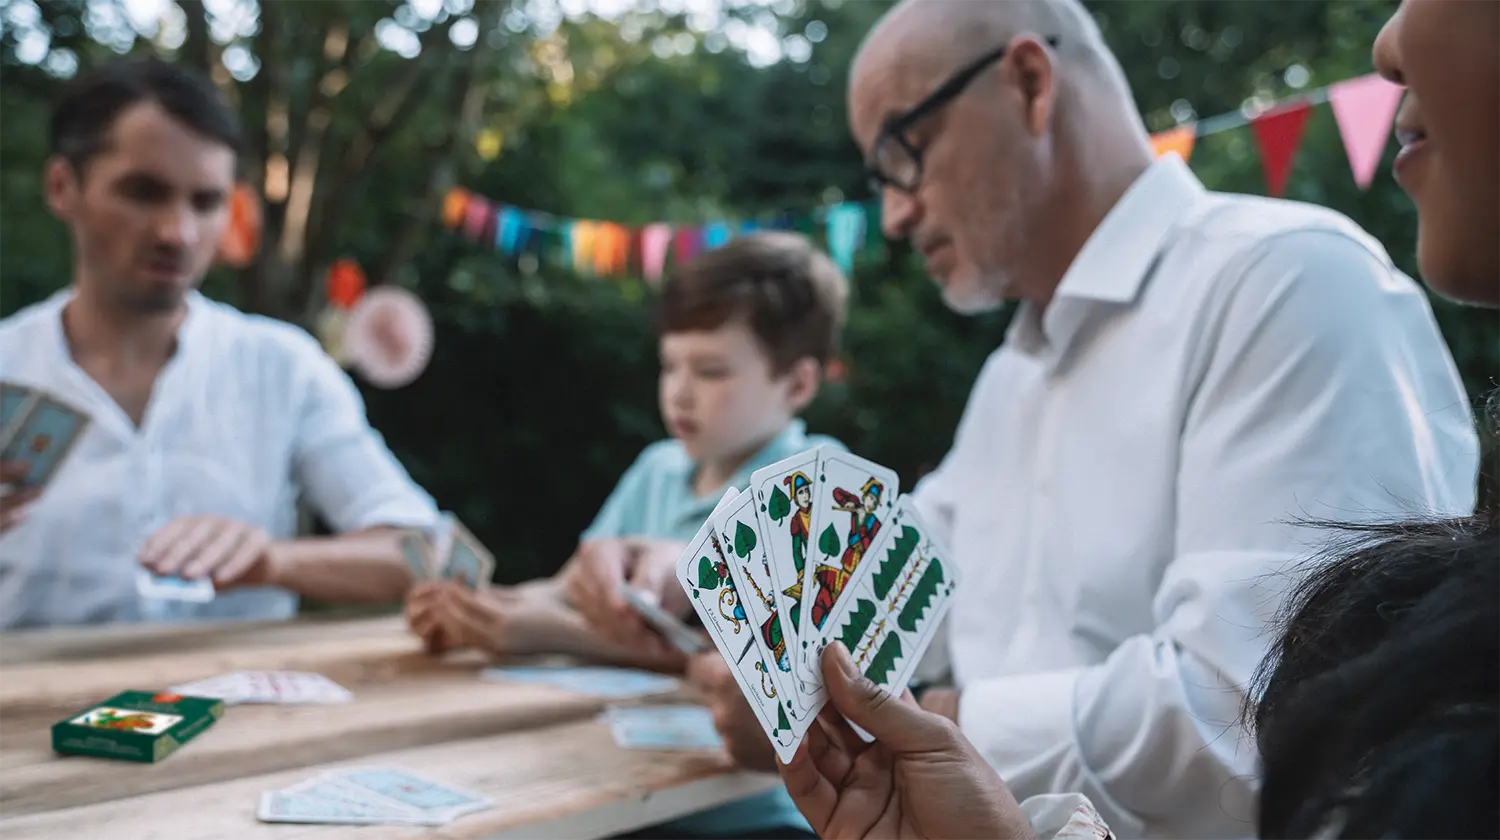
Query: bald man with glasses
(1187,374)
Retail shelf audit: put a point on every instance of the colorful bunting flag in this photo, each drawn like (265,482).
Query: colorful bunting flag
(846,227)
(1364,109)
(715,234)
(687,241)
(1179,140)
(1278,132)
(655,240)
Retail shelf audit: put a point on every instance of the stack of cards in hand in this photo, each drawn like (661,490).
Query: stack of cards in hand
(460,557)
(821,549)
(369,795)
(38,429)
(285,687)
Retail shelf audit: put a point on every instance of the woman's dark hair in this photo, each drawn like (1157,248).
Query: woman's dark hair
(1377,713)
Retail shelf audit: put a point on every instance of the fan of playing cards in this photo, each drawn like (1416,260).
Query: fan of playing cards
(823,540)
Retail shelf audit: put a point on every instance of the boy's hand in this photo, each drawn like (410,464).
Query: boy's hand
(743,738)
(592,579)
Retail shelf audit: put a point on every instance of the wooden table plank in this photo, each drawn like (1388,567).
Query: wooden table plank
(441,706)
(569,780)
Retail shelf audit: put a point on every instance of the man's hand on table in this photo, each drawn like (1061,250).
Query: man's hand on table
(14,501)
(591,581)
(228,552)
(744,739)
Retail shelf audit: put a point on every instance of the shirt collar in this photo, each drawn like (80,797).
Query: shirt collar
(790,441)
(1115,261)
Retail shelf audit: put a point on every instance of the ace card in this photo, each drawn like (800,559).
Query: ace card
(703,571)
(784,504)
(852,500)
(894,603)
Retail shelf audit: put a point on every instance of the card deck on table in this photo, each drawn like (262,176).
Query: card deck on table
(282,687)
(467,560)
(852,499)
(784,505)
(613,683)
(750,570)
(676,633)
(143,726)
(170,588)
(41,433)
(703,572)
(895,602)
(678,727)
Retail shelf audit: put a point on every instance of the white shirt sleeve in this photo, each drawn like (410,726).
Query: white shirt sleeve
(343,465)
(1309,404)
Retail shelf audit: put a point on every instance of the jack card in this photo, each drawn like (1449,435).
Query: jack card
(750,570)
(852,500)
(894,604)
(703,572)
(784,503)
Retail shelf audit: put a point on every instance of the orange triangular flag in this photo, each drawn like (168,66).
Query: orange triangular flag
(1179,140)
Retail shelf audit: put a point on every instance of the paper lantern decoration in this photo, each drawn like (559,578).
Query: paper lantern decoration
(241,238)
(345,284)
(389,337)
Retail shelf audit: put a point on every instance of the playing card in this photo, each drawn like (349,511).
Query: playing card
(467,561)
(784,504)
(327,799)
(852,499)
(679,727)
(738,529)
(895,601)
(171,588)
(614,683)
(416,551)
(434,800)
(45,436)
(15,402)
(669,626)
(283,687)
(703,572)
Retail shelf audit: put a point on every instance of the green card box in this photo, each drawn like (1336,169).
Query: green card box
(145,726)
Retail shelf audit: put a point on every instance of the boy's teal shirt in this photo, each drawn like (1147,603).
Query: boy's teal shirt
(655,499)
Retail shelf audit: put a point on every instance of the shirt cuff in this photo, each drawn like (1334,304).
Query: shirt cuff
(1064,816)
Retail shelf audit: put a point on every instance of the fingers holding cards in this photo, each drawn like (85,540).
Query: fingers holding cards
(37,431)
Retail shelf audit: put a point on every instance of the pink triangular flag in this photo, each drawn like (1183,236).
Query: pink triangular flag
(1364,109)
(655,239)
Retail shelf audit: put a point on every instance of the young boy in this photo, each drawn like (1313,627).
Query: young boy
(745,332)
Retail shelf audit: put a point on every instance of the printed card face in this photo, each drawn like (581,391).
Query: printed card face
(468,561)
(432,798)
(331,789)
(44,438)
(784,504)
(852,500)
(15,402)
(672,629)
(895,602)
(127,720)
(171,588)
(416,552)
(663,728)
(750,571)
(703,572)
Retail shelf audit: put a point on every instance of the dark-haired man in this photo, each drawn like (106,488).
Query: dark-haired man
(207,424)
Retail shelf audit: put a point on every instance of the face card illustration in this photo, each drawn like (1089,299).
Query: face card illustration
(127,720)
(44,439)
(751,572)
(784,504)
(468,561)
(703,572)
(895,603)
(852,499)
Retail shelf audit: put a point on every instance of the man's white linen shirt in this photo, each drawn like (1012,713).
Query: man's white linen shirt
(1121,490)
(247,416)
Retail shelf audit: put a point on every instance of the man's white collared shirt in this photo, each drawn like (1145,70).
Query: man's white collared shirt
(1121,492)
(247,416)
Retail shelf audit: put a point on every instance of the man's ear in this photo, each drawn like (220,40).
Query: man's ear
(1034,73)
(61,188)
(804,378)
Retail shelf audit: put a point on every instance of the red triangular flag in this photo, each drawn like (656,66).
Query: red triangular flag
(1278,132)
(1364,109)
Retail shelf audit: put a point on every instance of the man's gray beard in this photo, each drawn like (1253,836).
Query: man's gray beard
(975,303)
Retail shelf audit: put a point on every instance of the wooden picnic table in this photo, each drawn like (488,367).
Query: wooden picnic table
(552,769)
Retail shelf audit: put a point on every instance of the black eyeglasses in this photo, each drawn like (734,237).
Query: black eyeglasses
(895,162)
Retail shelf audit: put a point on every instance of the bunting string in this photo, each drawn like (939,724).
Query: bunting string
(1363,107)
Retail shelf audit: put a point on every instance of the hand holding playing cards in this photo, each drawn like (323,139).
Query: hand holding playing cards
(592,580)
(13,499)
(744,739)
(920,778)
(194,547)
(447,615)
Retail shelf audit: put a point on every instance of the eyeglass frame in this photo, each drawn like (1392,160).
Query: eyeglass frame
(896,126)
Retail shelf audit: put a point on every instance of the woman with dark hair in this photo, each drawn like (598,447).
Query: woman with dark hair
(1377,713)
